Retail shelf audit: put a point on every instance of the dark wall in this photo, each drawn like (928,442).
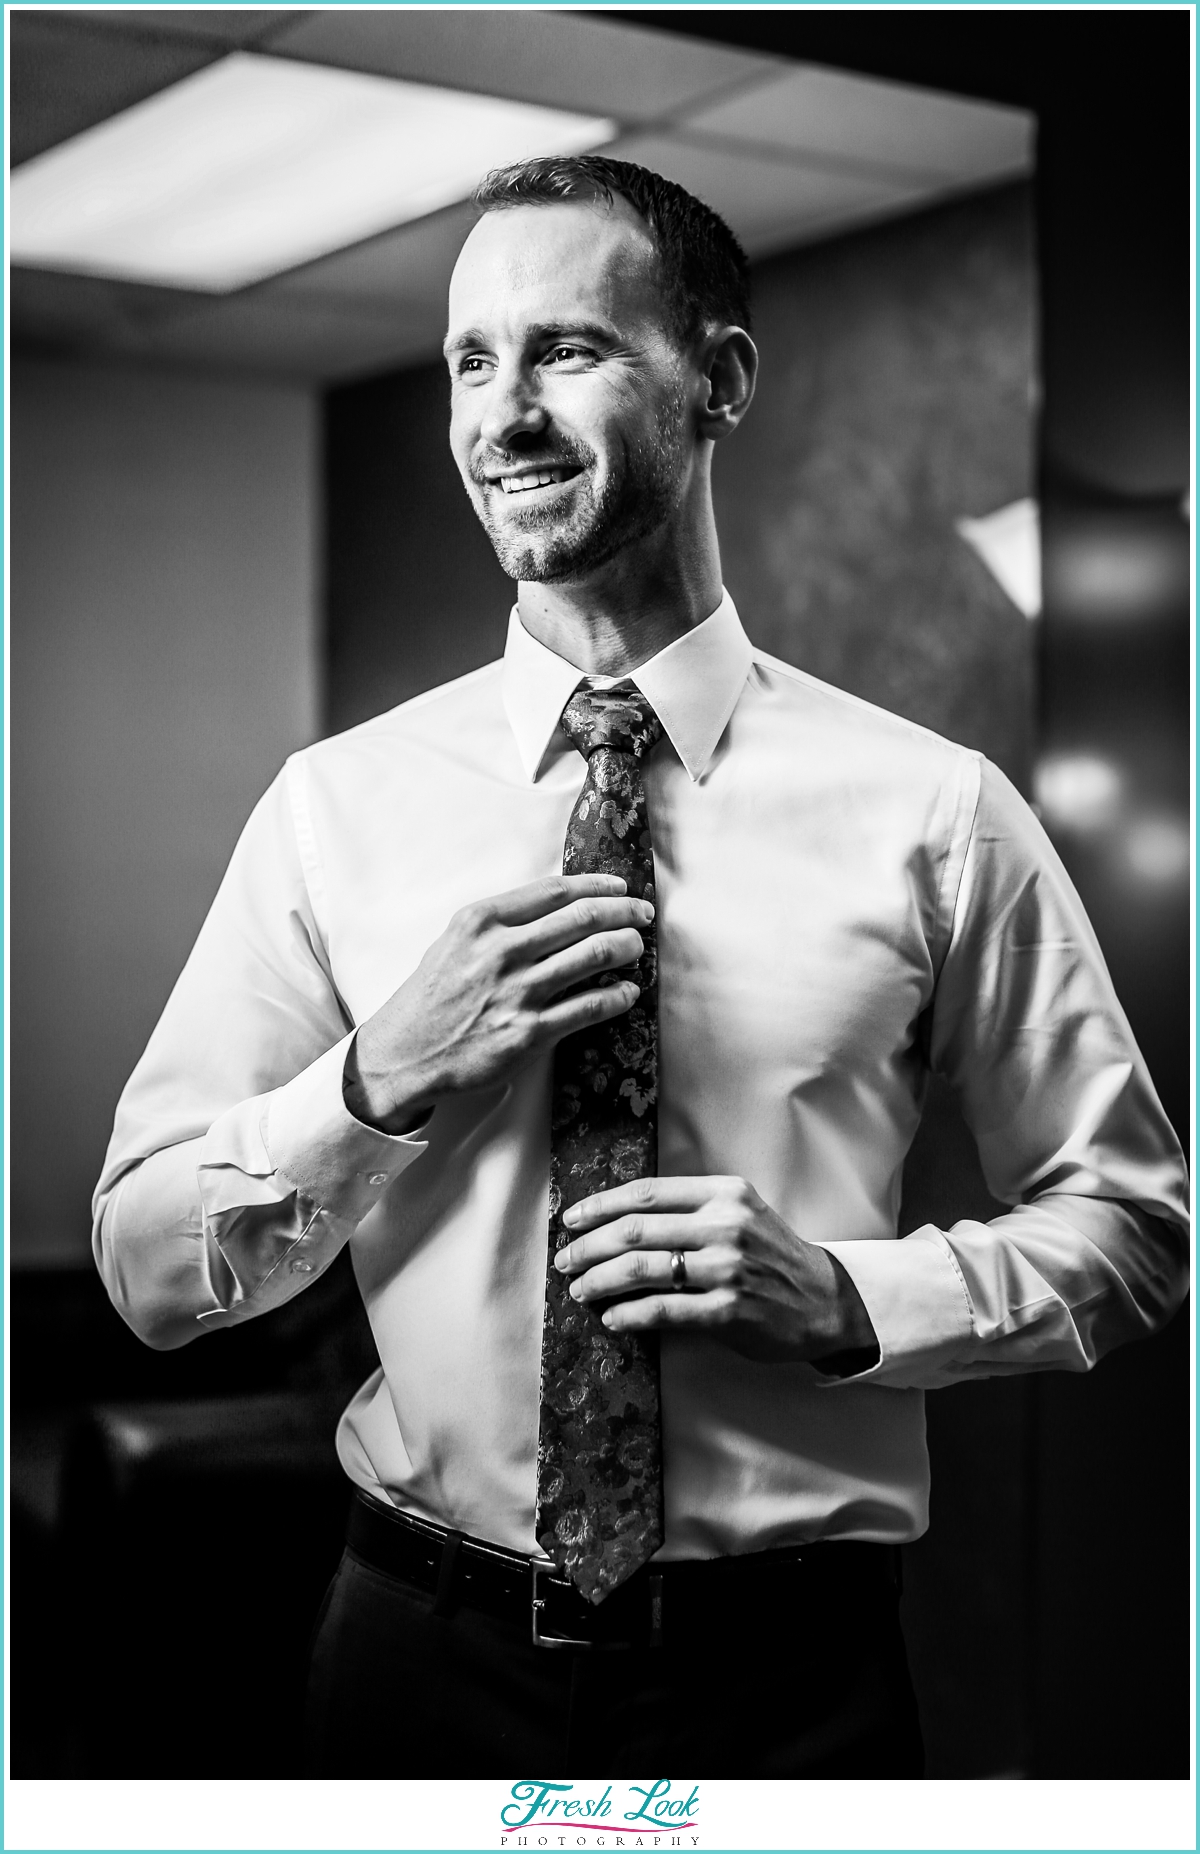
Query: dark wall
(897,393)
(415,596)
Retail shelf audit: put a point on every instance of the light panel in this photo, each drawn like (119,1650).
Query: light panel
(257,164)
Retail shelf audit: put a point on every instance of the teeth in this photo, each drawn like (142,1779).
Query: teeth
(533,479)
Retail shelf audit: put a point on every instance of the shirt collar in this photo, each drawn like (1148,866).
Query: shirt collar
(693,686)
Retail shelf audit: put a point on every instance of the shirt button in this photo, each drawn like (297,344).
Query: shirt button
(377,1178)
(302,1268)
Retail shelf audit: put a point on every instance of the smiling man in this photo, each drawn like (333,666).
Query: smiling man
(591,999)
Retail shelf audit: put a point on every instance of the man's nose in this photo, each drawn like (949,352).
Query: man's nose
(513,407)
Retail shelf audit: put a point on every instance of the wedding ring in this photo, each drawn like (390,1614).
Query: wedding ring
(678,1270)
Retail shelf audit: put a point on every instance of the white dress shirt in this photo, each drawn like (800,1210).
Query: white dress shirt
(844,899)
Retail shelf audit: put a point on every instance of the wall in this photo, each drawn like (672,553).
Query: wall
(897,390)
(415,596)
(163,663)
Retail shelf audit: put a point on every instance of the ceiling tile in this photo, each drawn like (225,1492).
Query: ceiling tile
(868,124)
(225,26)
(66,75)
(269,332)
(537,55)
(770,204)
(261,330)
(412,263)
(59,309)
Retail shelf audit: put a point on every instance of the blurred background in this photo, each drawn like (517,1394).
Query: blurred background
(235,526)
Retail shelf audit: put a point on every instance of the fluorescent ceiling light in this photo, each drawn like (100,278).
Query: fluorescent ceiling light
(257,164)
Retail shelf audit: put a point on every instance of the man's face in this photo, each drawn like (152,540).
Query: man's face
(568,407)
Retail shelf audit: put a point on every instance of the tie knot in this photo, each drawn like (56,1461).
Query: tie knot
(620,718)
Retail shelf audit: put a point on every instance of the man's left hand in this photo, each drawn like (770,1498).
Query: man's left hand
(751,1282)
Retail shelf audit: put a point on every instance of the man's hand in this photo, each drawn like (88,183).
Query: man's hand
(487,996)
(751,1281)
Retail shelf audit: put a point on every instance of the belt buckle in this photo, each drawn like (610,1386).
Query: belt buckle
(538,1567)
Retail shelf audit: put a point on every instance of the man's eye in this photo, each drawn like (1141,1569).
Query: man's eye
(564,353)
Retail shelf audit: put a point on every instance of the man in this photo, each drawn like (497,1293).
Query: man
(648,1423)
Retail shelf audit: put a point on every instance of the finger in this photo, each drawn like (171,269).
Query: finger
(604,952)
(586,1008)
(639,1232)
(643,1194)
(571,925)
(533,900)
(650,1311)
(648,1271)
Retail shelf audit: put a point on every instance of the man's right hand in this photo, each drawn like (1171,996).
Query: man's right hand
(487,996)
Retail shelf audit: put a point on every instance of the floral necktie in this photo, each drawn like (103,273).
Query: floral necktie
(599,1485)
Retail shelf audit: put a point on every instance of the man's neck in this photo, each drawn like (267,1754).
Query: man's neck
(619,619)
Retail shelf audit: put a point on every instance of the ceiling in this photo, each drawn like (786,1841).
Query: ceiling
(788,153)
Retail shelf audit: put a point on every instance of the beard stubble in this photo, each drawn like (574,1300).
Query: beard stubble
(536,545)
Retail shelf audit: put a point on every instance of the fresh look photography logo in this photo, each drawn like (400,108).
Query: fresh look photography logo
(661,1814)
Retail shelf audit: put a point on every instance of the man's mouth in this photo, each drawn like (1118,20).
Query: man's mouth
(520,482)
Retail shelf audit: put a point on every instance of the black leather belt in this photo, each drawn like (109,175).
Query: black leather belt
(660,1601)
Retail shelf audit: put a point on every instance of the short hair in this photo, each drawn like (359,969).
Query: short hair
(705,273)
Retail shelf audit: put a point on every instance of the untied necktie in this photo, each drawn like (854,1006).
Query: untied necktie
(599,1484)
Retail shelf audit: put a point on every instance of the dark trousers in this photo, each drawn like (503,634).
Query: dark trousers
(770,1690)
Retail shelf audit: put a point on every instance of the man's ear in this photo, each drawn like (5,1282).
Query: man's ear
(729,364)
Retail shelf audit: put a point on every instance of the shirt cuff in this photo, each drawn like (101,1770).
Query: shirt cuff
(916,1300)
(335,1160)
